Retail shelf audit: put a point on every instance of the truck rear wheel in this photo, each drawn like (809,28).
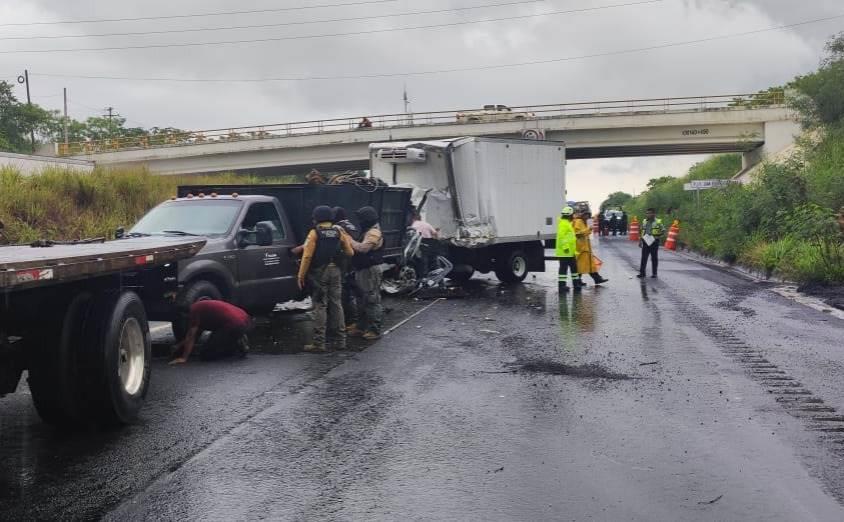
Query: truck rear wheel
(55,361)
(199,290)
(512,267)
(120,351)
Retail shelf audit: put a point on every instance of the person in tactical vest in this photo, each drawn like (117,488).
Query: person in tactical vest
(351,293)
(367,261)
(324,251)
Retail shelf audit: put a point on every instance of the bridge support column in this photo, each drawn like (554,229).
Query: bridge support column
(780,137)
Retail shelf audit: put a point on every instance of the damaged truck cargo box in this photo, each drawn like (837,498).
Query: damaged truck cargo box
(479,191)
(493,201)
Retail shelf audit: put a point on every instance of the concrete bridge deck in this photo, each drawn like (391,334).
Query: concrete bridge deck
(590,130)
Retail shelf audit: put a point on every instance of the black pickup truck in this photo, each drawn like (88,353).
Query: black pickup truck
(250,230)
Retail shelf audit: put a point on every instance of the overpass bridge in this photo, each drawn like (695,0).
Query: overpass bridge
(756,125)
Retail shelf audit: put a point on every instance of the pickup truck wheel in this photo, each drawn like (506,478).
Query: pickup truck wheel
(512,267)
(196,291)
(53,369)
(119,348)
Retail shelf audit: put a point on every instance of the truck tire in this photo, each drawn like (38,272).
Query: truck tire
(55,362)
(119,351)
(198,290)
(512,267)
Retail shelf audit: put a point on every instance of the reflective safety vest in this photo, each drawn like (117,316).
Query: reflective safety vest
(657,229)
(566,239)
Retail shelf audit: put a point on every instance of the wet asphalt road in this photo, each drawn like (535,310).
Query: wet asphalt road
(698,396)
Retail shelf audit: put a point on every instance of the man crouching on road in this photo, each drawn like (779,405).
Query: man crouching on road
(322,259)
(227,323)
(367,265)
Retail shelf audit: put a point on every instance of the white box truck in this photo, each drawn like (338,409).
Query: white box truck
(494,201)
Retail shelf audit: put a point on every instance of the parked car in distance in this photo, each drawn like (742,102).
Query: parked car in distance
(491,113)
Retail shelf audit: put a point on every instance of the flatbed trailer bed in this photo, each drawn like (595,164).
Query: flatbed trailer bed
(75,317)
(28,267)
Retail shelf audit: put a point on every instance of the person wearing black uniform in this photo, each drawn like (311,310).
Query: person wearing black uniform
(351,293)
(369,254)
(322,257)
(614,224)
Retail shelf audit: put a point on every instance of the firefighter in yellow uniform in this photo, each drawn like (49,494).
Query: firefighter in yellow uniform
(585,259)
(566,251)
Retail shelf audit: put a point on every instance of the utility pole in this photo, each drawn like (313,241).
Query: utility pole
(407,107)
(111,114)
(25,80)
(64,90)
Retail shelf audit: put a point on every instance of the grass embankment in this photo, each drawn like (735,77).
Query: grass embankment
(58,204)
(783,223)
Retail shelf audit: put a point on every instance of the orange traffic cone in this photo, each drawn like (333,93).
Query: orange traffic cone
(633,230)
(673,232)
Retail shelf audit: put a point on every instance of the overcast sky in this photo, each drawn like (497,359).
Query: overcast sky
(741,64)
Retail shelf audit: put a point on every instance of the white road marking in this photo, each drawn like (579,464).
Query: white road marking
(414,315)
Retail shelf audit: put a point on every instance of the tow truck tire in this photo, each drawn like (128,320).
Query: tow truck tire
(195,291)
(120,351)
(53,369)
(512,267)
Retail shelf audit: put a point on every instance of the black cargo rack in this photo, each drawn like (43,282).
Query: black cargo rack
(299,200)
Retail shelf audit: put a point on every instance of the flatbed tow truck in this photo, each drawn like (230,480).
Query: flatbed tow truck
(74,316)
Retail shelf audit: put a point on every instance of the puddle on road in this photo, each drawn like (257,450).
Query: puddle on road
(584,371)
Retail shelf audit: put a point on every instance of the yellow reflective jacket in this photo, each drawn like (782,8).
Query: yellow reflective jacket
(656,227)
(566,239)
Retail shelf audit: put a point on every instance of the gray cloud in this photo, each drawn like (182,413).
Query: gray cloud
(725,66)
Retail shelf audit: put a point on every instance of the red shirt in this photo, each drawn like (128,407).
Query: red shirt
(217,315)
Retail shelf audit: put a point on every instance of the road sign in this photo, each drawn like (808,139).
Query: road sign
(704,184)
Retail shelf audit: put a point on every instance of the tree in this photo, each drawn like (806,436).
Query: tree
(616,199)
(18,119)
(823,90)
(656,182)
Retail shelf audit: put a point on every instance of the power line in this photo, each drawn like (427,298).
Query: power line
(195,15)
(331,35)
(97,111)
(281,24)
(455,69)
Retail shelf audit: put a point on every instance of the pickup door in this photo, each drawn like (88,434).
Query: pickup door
(267,274)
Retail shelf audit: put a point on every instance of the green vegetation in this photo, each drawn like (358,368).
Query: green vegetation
(17,120)
(58,204)
(616,200)
(784,222)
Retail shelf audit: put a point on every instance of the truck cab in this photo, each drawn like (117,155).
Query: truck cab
(246,259)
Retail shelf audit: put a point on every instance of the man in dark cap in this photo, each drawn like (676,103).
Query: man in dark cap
(322,257)
(367,264)
(351,294)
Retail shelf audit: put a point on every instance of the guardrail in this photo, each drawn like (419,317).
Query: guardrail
(392,121)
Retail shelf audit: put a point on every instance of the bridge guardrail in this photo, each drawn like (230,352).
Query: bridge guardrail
(391,121)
